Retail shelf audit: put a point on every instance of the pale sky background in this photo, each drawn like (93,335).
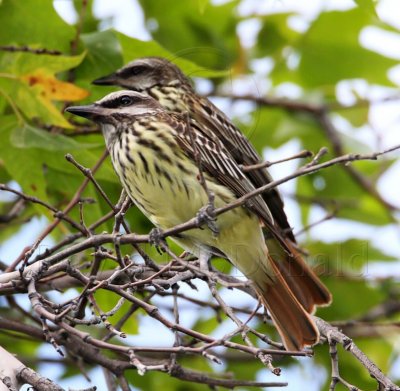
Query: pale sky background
(127,17)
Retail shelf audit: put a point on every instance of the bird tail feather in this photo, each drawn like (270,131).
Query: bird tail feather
(301,279)
(294,324)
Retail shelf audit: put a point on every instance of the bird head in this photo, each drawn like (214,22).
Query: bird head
(144,73)
(117,109)
(117,105)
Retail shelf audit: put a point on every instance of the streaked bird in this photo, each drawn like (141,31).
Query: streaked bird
(155,154)
(165,82)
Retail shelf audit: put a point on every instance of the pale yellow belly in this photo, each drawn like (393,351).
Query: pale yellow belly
(173,197)
(170,197)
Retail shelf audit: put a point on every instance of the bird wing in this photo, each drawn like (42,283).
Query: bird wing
(244,153)
(197,140)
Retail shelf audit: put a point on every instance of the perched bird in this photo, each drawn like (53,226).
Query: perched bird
(165,82)
(156,155)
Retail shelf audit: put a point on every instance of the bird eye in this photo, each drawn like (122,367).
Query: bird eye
(125,100)
(137,70)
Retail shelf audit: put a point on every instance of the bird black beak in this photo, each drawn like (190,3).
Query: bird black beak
(108,80)
(90,111)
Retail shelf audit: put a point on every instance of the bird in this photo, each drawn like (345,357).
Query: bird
(165,82)
(158,155)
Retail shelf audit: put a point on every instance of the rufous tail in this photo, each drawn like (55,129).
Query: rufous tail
(294,324)
(301,279)
(290,290)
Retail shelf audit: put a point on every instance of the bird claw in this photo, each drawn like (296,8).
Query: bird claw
(156,239)
(206,215)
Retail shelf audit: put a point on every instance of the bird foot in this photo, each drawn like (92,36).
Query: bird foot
(156,239)
(206,215)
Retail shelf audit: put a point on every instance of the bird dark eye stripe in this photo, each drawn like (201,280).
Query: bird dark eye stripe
(132,71)
(118,102)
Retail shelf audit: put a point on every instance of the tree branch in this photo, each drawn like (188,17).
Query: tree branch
(14,374)
(333,335)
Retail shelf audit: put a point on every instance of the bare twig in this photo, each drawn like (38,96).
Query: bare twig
(27,252)
(57,213)
(136,284)
(266,164)
(14,373)
(27,49)
(321,114)
(335,336)
(360,179)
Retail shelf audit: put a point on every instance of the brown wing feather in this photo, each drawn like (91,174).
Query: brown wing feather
(244,153)
(302,281)
(218,162)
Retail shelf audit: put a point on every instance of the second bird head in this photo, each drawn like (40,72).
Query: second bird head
(143,74)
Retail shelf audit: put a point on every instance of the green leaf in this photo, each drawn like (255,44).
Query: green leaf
(4,175)
(351,298)
(357,114)
(31,84)
(208,37)
(329,54)
(28,23)
(350,256)
(29,171)
(42,169)
(274,126)
(354,203)
(32,104)
(206,326)
(28,136)
(103,55)
(368,5)
(134,48)
(275,35)
(202,4)
(89,22)
(22,63)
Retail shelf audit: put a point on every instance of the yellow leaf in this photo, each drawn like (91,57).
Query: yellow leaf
(51,88)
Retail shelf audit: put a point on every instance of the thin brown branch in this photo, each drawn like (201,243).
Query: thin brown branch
(136,284)
(286,104)
(335,336)
(335,377)
(321,113)
(358,177)
(194,223)
(383,310)
(308,169)
(266,164)
(15,211)
(244,329)
(203,378)
(14,373)
(57,213)
(27,252)
(27,49)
